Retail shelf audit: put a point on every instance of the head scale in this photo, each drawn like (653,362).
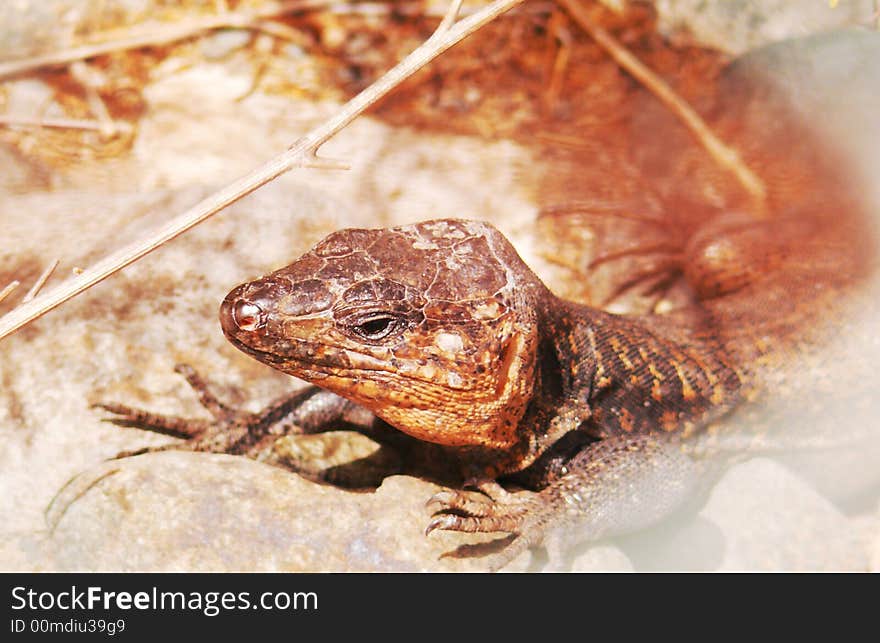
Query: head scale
(431,326)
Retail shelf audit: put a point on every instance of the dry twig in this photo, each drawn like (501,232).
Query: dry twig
(60,123)
(40,282)
(152,35)
(724,155)
(301,153)
(90,82)
(7,290)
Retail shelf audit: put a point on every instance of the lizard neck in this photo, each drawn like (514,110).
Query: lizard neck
(602,374)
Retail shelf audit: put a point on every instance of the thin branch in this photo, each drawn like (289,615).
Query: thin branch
(312,160)
(40,282)
(7,290)
(60,123)
(152,34)
(89,82)
(281,31)
(724,155)
(77,489)
(562,36)
(448,19)
(299,153)
(376,9)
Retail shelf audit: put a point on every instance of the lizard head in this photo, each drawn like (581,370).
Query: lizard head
(431,326)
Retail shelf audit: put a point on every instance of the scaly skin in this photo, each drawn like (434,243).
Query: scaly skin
(463,346)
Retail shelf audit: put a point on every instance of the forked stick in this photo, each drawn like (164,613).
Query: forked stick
(301,153)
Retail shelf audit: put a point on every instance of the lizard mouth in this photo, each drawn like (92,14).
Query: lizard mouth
(312,363)
(247,322)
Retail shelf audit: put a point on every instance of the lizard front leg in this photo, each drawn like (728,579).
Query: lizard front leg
(609,487)
(310,410)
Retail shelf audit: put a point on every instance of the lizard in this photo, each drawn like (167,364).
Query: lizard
(441,332)
(464,347)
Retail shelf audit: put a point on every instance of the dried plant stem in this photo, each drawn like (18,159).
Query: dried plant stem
(302,152)
(8,288)
(80,71)
(40,282)
(417,9)
(724,155)
(151,35)
(559,32)
(61,123)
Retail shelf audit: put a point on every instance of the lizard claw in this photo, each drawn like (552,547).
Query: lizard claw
(442,521)
(458,501)
(517,514)
(488,488)
(174,426)
(439,498)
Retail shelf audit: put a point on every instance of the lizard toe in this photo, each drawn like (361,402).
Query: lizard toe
(459,511)
(473,524)
(459,502)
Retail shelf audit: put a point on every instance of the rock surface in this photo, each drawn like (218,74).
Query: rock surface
(175,511)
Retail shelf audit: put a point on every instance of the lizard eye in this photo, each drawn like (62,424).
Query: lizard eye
(377,326)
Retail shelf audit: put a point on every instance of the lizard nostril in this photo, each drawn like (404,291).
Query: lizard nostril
(247,315)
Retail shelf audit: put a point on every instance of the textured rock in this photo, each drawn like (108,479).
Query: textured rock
(202,512)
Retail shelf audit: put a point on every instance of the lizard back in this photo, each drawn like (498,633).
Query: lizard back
(681,244)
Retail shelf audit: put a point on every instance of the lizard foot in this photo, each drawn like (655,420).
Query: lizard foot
(227,433)
(520,514)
